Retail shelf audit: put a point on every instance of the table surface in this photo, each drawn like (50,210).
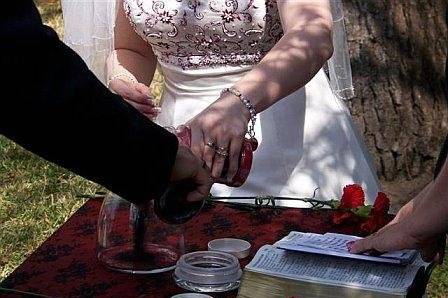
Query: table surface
(65,265)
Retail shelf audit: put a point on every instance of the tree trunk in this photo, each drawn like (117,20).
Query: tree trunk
(398,50)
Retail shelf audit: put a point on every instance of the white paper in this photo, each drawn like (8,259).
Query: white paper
(336,245)
(333,271)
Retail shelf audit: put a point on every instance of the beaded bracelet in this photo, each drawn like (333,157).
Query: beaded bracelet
(124,76)
(249,106)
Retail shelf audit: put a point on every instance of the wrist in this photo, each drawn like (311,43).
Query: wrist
(247,108)
(236,105)
(244,110)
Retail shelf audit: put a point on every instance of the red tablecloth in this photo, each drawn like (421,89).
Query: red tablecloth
(65,265)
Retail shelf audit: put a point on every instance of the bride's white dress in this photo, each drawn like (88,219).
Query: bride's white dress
(307,140)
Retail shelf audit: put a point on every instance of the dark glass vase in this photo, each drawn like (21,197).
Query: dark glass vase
(173,208)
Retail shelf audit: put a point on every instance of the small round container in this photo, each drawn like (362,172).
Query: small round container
(237,247)
(208,271)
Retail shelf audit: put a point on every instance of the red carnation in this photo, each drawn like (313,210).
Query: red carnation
(381,205)
(352,197)
(342,216)
(373,224)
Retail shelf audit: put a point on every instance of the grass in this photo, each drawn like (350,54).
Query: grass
(36,197)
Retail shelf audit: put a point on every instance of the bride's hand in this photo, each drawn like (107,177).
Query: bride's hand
(137,95)
(217,133)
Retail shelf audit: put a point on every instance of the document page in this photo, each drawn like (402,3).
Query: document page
(336,245)
(333,271)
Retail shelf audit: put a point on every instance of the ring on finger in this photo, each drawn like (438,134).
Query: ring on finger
(223,153)
(211,144)
(221,149)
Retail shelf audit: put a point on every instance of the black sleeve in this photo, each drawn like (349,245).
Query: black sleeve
(52,105)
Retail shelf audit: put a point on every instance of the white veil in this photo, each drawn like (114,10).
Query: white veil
(339,66)
(89,30)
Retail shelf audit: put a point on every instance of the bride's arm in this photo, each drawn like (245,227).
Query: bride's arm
(296,58)
(131,53)
(291,63)
(131,66)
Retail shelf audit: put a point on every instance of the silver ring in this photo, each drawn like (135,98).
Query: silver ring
(211,144)
(222,153)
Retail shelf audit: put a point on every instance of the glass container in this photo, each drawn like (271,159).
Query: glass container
(134,240)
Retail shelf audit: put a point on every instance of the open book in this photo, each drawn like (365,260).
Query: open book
(336,245)
(275,272)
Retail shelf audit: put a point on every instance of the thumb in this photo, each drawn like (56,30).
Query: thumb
(392,223)
(203,182)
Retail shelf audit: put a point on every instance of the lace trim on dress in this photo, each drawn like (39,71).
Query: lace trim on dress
(193,62)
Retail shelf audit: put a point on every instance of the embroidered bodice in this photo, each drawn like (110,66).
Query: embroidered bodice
(206,33)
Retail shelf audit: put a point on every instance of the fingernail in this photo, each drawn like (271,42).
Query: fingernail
(350,245)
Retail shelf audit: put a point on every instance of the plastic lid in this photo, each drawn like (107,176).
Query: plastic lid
(237,247)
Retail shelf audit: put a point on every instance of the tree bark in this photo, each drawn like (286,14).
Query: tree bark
(398,50)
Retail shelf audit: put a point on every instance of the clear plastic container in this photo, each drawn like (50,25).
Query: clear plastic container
(208,271)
